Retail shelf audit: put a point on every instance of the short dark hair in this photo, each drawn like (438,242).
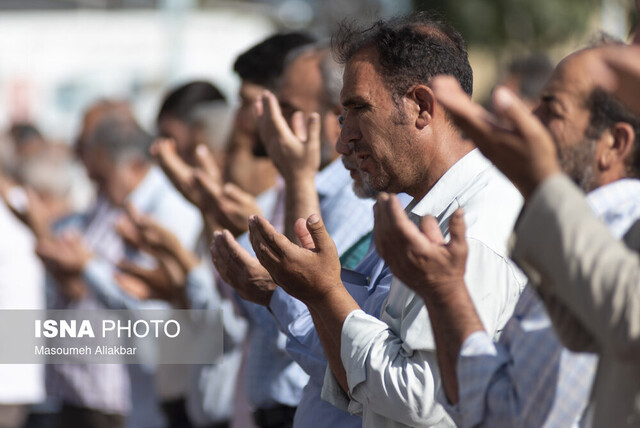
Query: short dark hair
(411,49)
(263,63)
(182,101)
(605,112)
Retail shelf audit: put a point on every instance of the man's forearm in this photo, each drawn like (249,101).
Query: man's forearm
(328,316)
(453,319)
(301,200)
(332,350)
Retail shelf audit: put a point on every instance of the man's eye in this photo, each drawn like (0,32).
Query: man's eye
(340,120)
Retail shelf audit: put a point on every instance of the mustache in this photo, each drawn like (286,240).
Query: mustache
(349,163)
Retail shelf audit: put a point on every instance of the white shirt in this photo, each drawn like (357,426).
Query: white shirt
(390,362)
(21,287)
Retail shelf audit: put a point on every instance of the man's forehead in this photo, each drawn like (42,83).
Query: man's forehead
(301,81)
(361,75)
(569,78)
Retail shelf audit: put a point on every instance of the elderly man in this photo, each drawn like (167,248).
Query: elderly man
(115,151)
(586,278)
(298,146)
(527,378)
(396,137)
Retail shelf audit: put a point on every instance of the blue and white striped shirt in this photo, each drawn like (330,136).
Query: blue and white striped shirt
(527,378)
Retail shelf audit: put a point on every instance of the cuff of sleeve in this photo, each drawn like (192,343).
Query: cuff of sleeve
(285,308)
(478,343)
(358,333)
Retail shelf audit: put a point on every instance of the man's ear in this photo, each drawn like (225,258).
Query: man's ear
(618,147)
(425,102)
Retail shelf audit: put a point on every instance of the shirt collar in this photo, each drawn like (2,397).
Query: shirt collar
(457,178)
(332,178)
(609,197)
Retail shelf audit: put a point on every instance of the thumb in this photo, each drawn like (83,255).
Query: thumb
(303,234)
(321,239)
(430,227)
(207,162)
(457,229)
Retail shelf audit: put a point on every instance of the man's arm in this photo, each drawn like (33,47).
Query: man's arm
(572,255)
(435,270)
(317,284)
(400,380)
(560,244)
(295,151)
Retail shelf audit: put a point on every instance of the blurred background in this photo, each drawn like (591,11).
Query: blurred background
(57,56)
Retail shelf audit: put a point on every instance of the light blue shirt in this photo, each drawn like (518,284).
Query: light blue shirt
(368,284)
(272,376)
(527,378)
(154,196)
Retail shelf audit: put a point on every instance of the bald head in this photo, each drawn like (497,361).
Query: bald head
(597,138)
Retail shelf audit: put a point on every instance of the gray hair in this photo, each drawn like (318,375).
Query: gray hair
(216,119)
(121,138)
(330,70)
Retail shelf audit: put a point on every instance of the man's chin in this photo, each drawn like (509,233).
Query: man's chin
(363,191)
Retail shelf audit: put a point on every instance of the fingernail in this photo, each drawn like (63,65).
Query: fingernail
(201,149)
(502,99)
(314,218)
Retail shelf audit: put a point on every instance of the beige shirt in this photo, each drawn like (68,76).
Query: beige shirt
(590,284)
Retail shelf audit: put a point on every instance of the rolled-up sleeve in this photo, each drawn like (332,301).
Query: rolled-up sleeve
(381,374)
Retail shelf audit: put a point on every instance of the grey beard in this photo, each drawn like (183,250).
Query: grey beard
(578,163)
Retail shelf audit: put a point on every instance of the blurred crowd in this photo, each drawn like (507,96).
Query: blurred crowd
(384,251)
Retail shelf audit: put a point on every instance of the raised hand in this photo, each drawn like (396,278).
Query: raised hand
(616,69)
(225,207)
(176,169)
(158,241)
(294,150)
(309,274)
(239,269)
(515,141)
(64,258)
(420,258)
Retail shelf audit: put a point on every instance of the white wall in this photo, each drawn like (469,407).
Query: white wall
(53,64)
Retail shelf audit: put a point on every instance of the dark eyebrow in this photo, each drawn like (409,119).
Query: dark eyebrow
(353,100)
(548,98)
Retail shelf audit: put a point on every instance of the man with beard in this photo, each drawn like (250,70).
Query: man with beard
(527,378)
(396,138)
(312,176)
